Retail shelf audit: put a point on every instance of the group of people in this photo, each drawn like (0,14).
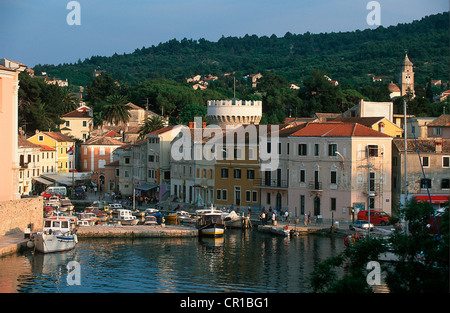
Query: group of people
(272,216)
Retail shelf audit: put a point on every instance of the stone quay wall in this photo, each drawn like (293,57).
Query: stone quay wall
(16,215)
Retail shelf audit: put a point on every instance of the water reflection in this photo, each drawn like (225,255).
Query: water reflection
(246,261)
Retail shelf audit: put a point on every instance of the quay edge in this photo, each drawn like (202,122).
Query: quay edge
(138,231)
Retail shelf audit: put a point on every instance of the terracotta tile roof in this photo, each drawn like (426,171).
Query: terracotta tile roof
(115,163)
(22,142)
(111,133)
(336,129)
(77,114)
(161,130)
(101,140)
(426,145)
(441,121)
(59,136)
(46,148)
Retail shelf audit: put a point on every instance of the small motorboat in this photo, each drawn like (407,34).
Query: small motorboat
(150,220)
(125,217)
(210,222)
(59,234)
(65,205)
(87,219)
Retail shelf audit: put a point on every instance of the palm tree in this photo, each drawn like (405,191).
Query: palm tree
(69,103)
(150,124)
(117,110)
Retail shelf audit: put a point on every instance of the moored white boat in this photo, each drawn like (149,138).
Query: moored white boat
(58,235)
(125,217)
(210,223)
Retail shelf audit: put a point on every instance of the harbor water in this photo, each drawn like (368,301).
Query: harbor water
(241,261)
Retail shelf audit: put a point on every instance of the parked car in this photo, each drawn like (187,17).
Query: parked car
(359,224)
(79,193)
(376,217)
(48,194)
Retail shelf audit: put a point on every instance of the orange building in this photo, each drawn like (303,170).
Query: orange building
(9,162)
(95,154)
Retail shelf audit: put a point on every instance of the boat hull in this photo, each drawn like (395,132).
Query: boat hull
(213,231)
(51,243)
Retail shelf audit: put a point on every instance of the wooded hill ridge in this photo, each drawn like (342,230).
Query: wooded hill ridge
(348,57)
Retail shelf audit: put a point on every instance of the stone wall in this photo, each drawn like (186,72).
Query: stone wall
(16,215)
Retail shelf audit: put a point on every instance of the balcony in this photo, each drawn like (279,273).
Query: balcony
(271,183)
(315,185)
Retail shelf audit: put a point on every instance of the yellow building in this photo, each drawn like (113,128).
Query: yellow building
(237,175)
(78,123)
(381,124)
(61,143)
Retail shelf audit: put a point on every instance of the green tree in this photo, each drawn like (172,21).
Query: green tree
(116,109)
(190,111)
(423,258)
(150,125)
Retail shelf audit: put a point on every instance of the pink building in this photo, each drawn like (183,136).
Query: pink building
(332,170)
(440,127)
(9,162)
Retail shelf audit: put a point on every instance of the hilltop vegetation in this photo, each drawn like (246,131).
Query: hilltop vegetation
(156,76)
(346,56)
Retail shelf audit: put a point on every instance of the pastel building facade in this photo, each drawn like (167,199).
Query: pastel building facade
(9,160)
(337,169)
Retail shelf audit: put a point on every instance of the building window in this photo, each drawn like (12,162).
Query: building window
(426,161)
(332,149)
(333,177)
(445,183)
(268,198)
(224,173)
(373,150)
(224,194)
(425,183)
(127,160)
(446,161)
(333,204)
(287,148)
(67,123)
(84,123)
(248,196)
(437,131)
(372,181)
(302,204)
(40,138)
(250,174)
(302,176)
(302,149)
(254,196)
(237,173)
(316,149)
(219,194)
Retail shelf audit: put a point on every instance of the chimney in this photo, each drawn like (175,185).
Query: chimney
(438,142)
(204,125)
(191,125)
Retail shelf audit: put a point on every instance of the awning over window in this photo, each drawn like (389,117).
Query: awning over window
(146,187)
(436,199)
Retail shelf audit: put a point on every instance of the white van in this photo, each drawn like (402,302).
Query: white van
(59,190)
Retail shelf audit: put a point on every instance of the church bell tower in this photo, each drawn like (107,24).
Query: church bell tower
(407,77)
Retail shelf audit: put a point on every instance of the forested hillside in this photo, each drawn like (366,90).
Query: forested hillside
(156,76)
(348,57)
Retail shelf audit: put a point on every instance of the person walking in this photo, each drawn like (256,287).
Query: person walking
(305,219)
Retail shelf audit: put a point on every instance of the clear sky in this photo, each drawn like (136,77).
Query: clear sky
(36,31)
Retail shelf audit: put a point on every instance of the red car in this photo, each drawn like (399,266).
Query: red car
(48,194)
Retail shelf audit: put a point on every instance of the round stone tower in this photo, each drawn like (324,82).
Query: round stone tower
(233,112)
